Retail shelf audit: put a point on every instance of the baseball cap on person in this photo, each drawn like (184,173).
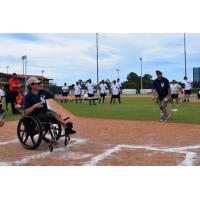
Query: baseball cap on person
(158,72)
(32,80)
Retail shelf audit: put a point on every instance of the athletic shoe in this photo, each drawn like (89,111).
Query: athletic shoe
(72,132)
(68,131)
(162,118)
(167,116)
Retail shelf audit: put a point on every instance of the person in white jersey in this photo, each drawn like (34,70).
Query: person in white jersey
(120,86)
(77,92)
(175,87)
(187,89)
(90,90)
(115,92)
(103,90)
(1,94)
(65,92)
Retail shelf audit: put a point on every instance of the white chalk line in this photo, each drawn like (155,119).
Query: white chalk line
(9,142)
(189,159)
(26,159)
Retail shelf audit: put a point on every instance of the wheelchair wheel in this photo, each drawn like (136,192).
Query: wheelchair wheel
(29,131)
(52,132)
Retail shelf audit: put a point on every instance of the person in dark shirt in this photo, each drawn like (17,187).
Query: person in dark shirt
(162,94)
(35,102)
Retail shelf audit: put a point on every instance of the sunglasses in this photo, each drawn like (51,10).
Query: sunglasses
(36,84)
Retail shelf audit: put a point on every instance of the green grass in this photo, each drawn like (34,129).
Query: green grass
(9,115)
(131,109)
(134,109)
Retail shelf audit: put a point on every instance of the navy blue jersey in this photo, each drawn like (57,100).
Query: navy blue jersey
(31,99)
(161,86)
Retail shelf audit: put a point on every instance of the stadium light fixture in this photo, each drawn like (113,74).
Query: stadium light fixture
(117,73)
(97,48)
(185,57)
(141,83)
(24,63)
(7,67)
(42,71)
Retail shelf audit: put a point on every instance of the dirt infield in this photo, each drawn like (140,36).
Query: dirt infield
(109,142)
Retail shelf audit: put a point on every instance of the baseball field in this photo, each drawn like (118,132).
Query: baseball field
(135,108)
(127,134)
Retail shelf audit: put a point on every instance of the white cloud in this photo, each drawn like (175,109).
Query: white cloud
(68,57)
(61,57)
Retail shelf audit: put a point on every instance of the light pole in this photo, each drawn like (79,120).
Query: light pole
(185,58)
(117,73)
(97,47)
(42,71)
(7,67)
(141,74)
(24,63)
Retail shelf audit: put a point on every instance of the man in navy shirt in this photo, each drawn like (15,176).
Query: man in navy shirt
(162,93)
(35,102)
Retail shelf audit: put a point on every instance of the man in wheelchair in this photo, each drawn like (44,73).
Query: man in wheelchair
(35,104)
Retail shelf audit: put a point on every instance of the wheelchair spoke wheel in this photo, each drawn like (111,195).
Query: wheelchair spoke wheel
(29,132)
(53,132)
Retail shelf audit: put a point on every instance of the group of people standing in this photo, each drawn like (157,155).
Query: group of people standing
(91,88)
(14,94)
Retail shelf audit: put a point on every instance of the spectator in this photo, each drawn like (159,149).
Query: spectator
(20,102)
(1,95)
(65,92)
(90,90)
(175,87)
(115,90)
(188,89)
(14,85)
(120,89)
(77,92)
(103,90)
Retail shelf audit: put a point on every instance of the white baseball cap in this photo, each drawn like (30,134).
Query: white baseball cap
(32,80)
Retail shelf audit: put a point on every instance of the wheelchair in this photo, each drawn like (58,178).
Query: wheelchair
(31,131)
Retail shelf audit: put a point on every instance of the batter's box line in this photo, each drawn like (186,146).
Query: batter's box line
(189,159)
(26,159)
(9,142)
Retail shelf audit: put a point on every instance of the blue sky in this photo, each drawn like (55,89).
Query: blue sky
(70,57)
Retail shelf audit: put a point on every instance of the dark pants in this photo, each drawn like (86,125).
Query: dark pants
(7,99)
(65,94)
(113,97)
(78,97)
(13,96)
(102,95)
(119,97)
(91,95)
(48,116)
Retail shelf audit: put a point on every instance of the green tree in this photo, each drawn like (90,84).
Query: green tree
(134,81)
